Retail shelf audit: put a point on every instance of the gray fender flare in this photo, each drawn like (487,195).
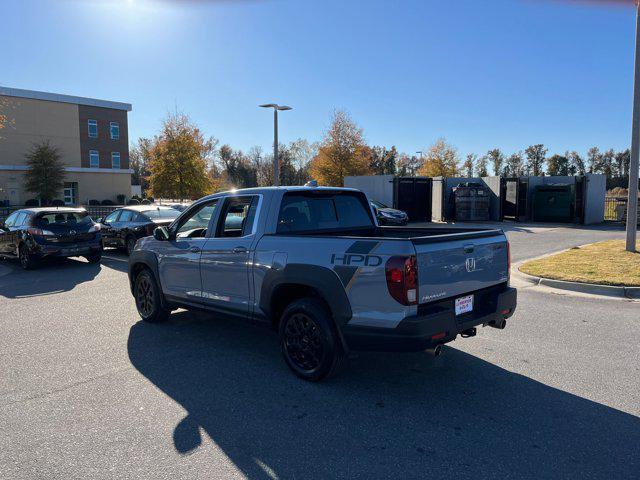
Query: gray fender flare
(321,279)
(150,261)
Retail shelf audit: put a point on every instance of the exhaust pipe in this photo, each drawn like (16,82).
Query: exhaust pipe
(435,351)
(499,324)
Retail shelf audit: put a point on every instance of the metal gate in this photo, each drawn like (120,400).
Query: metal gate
(413,195)
(578,202)
(514,194)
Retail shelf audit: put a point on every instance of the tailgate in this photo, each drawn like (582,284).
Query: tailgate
(454,267)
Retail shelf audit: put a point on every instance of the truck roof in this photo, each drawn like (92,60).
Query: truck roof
(290,188)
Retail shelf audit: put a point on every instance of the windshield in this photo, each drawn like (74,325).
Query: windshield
(377,204)
(324,211)
(169,213)
(63,219)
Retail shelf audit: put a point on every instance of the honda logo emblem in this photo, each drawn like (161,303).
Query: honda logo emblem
(72,232)
(470,264)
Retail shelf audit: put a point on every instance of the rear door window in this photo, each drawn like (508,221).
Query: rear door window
(238,216)
(323,211)
(20,219)
(126,216)
(10,221)
(112,217)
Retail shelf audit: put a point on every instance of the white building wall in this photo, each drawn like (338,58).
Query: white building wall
(376,187)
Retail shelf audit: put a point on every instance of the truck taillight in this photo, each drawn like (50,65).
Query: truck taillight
(402,279)
(150,228)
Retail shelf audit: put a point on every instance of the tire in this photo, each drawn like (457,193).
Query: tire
(94,257)
(26,259)
(129,244)
(309,340)
(148,299)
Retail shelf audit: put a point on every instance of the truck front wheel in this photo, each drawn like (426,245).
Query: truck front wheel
(309,340)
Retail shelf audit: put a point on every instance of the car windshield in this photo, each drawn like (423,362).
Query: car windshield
(65,219)
(377,204)
(169,213)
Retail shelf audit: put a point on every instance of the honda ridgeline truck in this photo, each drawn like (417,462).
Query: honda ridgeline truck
(313,262)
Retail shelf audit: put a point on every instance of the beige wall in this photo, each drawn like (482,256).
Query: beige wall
(31,121)
(100,186)
(91,186)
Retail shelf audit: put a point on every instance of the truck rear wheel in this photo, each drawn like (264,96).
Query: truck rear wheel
(309,340)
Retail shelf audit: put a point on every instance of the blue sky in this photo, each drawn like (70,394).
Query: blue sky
(495,73)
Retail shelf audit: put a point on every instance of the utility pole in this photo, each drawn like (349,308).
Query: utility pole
(632,201)
(276,163)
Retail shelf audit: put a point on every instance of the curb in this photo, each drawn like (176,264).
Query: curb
(632,293)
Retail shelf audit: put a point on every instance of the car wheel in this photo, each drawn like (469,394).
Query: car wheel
(309,340)
(130,244)
(148,298)
(94,257)
(26,259)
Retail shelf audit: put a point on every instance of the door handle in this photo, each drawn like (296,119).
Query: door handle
(240,250)
(194,249)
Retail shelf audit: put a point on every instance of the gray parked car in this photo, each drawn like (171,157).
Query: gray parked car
(389,216)
(314,264)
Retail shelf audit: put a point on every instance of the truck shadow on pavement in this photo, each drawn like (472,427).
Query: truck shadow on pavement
(386,416)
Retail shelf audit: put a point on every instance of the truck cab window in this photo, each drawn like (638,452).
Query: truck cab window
(238,216)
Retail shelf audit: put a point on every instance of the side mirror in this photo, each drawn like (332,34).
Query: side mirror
(161,233)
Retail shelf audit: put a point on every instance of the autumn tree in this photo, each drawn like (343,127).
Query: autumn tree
(496,157)
(343,152)
(622,160)
(179,159)
(237,168)
(576,163)
(514,165)
(481,166)
(45,172)
(383,160)
(140,161)
(467,166)
(558,165)
(594,159)
(536,156)
(441,160)
(407,165)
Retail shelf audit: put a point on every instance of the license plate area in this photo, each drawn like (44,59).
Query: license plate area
(464,304)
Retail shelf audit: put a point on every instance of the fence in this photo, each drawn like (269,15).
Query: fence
(614,208)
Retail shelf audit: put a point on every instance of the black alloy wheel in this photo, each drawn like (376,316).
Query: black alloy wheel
(26,259)
(148,301)
(309,340)
(303,342)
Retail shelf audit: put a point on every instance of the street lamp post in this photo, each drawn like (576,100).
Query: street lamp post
(276,163)
(632,201)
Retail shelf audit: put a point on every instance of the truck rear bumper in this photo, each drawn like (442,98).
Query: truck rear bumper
(435,323)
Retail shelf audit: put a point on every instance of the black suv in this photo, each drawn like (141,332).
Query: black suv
(123,227)
(33,234)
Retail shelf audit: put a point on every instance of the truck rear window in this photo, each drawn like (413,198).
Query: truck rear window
(319,212)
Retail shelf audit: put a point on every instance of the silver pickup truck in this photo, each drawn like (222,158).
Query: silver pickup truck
(313,262)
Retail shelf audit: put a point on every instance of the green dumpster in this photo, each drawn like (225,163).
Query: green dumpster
(553,203)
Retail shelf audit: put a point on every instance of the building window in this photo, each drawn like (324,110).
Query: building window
(94,159)
(93,128)
(114,130)
(115,159)
(70,193)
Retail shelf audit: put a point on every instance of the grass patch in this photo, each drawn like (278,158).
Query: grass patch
(606,263)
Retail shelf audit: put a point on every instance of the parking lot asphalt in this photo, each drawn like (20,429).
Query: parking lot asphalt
(89,391)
